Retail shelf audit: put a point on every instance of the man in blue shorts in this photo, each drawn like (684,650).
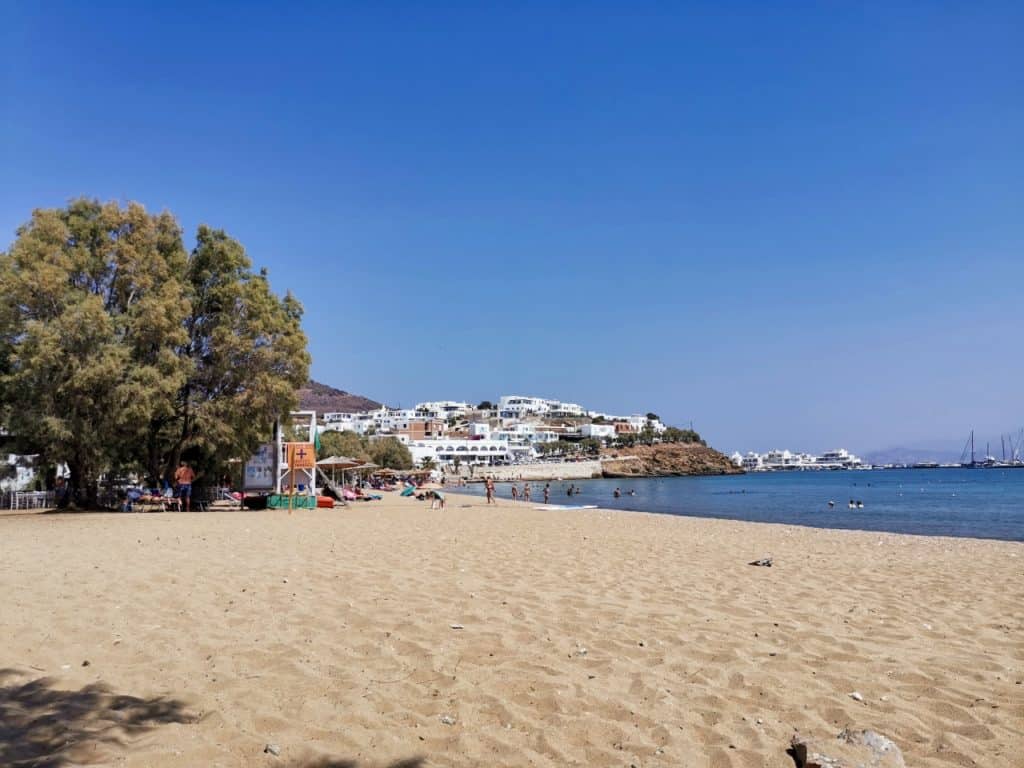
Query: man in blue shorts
(183,478)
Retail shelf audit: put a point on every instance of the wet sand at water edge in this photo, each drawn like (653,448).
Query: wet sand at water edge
(387,634)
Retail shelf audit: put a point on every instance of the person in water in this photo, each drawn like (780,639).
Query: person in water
(515,492)
(617,493)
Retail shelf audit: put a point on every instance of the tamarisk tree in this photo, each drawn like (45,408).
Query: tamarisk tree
(120,351)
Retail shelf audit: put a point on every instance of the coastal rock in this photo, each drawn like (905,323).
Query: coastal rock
(447,719)
(849,749)
(666,460)
(272,749)
(764,561)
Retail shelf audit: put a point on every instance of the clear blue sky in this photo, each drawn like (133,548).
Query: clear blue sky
(795,224)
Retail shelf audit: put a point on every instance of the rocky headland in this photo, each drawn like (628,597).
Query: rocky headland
(666,460)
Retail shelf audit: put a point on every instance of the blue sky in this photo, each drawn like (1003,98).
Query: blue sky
(793,224)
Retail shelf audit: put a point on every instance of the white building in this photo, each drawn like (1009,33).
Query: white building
(519,406)
(599,431)
(752,462)
(780,461)
(487,451)
(382,420)
(838,459)
(443,409)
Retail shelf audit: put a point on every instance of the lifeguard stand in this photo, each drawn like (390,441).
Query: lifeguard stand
(303,423)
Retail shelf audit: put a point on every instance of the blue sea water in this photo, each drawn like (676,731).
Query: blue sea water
(978,503)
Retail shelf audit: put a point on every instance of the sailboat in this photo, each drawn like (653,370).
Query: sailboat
(963,454)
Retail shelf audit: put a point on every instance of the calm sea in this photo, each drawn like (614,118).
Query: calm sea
(981,503)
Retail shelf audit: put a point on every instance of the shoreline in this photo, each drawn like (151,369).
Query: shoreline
(540,506)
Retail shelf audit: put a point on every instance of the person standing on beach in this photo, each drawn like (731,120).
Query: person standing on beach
(526,493)
(547,492)
(515,492)
(183,478)
(489,487)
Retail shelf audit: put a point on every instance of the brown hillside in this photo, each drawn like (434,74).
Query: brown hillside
(324,399)
(666,460)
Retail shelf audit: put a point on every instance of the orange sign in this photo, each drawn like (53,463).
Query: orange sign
(301,456)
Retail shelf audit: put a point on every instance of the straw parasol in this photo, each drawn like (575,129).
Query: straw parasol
(338,462)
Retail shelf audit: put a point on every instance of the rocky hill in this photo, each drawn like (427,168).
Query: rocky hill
(324,399)
(666,460)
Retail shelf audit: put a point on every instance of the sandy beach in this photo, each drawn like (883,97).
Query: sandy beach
(387,634)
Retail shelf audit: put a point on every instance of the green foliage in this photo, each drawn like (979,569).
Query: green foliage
(427,463)
(626,439)
(653,417)
(119,351)
(647,435)
(590,445)
(674,435)
(389,452)
(334,443)
(598,420)
(486,405)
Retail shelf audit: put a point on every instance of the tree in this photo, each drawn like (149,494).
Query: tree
(122,352)
(347,443)
(427,463)
(598,420)
(486,405)
(590,445)
(675,435)
(653,417)
(647,434)
(389,452)
(626,439)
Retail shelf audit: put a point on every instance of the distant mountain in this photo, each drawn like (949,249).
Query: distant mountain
(324,399)
(908,455)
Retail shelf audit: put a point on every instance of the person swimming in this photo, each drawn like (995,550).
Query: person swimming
(617,493)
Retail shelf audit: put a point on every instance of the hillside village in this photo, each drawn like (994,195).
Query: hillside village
(514,430)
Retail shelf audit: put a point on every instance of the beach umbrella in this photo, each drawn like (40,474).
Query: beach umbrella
(338,462)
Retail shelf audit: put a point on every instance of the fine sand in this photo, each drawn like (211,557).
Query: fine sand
(587,638)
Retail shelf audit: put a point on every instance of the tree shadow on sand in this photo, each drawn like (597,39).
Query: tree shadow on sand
(330,762)
(45,727)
